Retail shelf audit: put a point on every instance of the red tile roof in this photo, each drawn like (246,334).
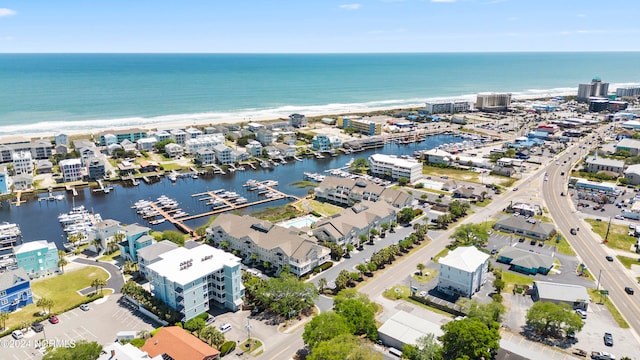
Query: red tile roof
(179,344)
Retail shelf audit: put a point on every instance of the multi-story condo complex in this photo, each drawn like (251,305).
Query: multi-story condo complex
(265,242)
(71,169)
(596,88)
(449,107)
(493,102)
(360,125)
(390,166)
(39,149)
(191,280)
(633,91)
(203,142)
(37,258)
(224,154)
(346,192)
(22,162)
(10,236)
(132,135)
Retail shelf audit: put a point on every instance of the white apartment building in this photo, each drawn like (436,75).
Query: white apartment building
(390,165)
(449,107)
(71,169)
(179,136)
(203,142)
(147,144)
(22,162)
(192,280)
(224,154)
(254,148)
(463,271)
(193,133)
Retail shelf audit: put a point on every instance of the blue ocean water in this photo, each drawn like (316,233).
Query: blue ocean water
(45,93)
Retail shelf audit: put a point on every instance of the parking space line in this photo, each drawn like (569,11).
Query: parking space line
(89,332)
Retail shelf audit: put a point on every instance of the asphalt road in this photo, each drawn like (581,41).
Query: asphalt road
(588,246)
(115,280)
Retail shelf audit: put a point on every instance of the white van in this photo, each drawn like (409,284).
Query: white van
(225,327)
(17,334)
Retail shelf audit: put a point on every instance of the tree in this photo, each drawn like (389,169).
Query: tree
(287,295)
(195,324)
(469,338)
(98,284)
(470,234)
(212,336)
(359,165)
(342,347)
(549,319)
(402,181)
(62,263)
(342,280)
(458,208)
(323,327)
(420,268)
(82,350)
(358,311)
(426,348)
(161,144)
(61,254)
(362,268)
(322,283)
(173,236)
(363,239)
(405,215)
(349,248)
(4,316)
(45,303)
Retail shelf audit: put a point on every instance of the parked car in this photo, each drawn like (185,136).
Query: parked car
(515,189)
(582,313)
(37,326)
(608,339)
(225,327)
(53,319)
(573,231)
(422,293)
(17,334)
(84,307)
(628,290)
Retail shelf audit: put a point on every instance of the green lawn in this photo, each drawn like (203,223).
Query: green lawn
(564,247)
(596,296)
(618,234)
(512,279)
(508,182)
(62,289)
(452,173)
(325,209)
(442,253)
(428,275)
(628,261)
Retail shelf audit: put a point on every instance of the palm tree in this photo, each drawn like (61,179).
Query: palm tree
(322,283)
(96,244)
(420,268)
(98,284)
(393,225)
(62,263)
(61,254)
(4,316)
(350,248)
(212,336)
(363,239)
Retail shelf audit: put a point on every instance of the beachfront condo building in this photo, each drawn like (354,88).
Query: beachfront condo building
(71,169)
(15,290)
(360,125)
(633,91)
(132,134)
(191,280)
(448,107)
(261,241)
(493,102)
(596,88)
(37,258)
(394,167)
(203,142)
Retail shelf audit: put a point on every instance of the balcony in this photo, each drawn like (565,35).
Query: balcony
(179,290)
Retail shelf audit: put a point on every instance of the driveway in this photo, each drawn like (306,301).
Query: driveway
(115,280)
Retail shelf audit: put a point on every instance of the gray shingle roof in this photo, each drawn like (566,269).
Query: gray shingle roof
(9,278)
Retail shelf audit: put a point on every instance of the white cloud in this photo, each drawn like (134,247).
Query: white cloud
(350,6)
(6,12)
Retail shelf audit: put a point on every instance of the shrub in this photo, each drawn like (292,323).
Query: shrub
(155,331)
(227,348)
(137,342)
(315,213)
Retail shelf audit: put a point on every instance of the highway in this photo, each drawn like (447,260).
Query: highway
(589,247)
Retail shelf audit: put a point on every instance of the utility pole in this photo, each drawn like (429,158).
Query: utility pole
(598,285)
(606,237)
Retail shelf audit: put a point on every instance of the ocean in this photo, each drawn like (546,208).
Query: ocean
(47,93)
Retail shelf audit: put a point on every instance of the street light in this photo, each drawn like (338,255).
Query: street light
(248,326)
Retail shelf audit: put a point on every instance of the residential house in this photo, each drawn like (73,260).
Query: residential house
(37,258)
(71,170)
(126,167)
(265,137)
(254,148)
(595,165)
(261,241)
(173,342)
(62,149)
(22,163)
(61,139)
(148,166)
(15,290)
(44,166)
(205,157)
(110,139)
(179,136)
(173,150)
(321,143)
(128,145)
(630,145)
(193,280)
(503,170)
(574,295)
(527,262)
(22,182)
(463,271)
(147,144)
(255,127)
(525,227)
(193,133)
(286,151)
(468,192)
(224,154)
(239,156)
(96,169)
(162,135)
(297,120)
(136,238)
(436,156)
(87,153)
(105,232)
(347,226)
(111,148)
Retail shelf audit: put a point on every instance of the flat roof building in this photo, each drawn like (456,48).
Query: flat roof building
(405,329)
(395,167)
(574,295)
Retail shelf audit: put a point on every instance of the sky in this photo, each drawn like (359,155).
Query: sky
(317,26)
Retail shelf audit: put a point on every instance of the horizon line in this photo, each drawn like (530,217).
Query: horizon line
(323,53)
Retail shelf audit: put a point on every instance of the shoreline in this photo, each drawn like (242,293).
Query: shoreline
(202,120)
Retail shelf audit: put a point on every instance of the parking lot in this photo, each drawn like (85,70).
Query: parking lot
(105,318)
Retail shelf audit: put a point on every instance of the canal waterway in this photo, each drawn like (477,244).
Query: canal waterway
(38,220)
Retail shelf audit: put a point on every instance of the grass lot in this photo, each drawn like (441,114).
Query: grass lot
(452,173)
(442,253)
(172,166)
(618,234)
(279,213)
(325,209)
(508,182)
(628,261)
(62,289)
(512,279)
(595,296)
(111,257)
(429,274)
(403,292)
(304,184)
(564,247)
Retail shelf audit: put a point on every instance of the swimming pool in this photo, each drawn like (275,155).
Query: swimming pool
(305,221)
(433,185)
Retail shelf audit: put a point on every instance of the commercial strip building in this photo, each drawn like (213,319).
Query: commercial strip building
(574,295)
(521,226)
(463,271)
(192,279)
(526,262)
(595,164)
(262,241)
(394,167)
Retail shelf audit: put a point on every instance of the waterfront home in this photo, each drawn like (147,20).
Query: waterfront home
(22,182)
(463,271)
(395,167)
(261,241)
(175,343)
(205,157)
(147,144)
(15,290)
(62,149)
(44,166)
(148,166)
(71,169)
(347,226)
(37,258)
(297,120)
(321,143)
(22,163)
(173,150)
(136,238)
(162,135)
(189,280)
(254,148)
(96,168)
(224,154)
(254,126)
(193,132)
(286,151)
(265,137)
(436,156)
(126,167)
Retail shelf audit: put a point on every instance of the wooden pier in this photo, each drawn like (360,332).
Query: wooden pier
(166,214)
